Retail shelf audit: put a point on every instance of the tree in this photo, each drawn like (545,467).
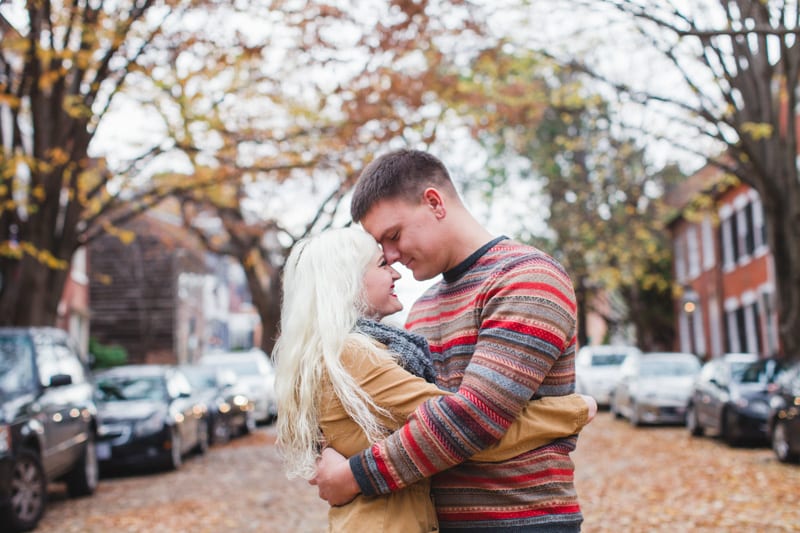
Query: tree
(605,219)
(62,68)
(740,62)
(286,140)
(242,117)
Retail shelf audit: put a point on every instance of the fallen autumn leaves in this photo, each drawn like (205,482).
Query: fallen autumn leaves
(628,479)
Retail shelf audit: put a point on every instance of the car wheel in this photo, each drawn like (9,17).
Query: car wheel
(82,481)
(202,437)
(635,419)
(780,443)
(692,423)
(175,452)
(249,423)
(28,493)
(730,427)
(614,409)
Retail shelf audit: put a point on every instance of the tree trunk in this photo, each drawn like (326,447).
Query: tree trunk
(783,223)
(267,301)
(30,293)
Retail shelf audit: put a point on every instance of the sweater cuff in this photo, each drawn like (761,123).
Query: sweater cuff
(361,474)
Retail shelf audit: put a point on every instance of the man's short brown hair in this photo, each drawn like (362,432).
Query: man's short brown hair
(401,174)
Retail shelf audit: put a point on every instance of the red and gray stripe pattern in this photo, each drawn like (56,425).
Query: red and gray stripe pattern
(500,334)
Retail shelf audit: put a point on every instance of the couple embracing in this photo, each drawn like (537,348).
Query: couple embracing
(465,419)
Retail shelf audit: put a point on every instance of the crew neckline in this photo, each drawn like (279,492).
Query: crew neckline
(457,271)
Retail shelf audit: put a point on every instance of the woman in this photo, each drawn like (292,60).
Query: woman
(345,380)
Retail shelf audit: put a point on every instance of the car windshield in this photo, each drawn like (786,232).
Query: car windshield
(201,378)
(241,368)
(607,359)
(761,372)
(738,370)
(17,374)
(667,367)
(123,388)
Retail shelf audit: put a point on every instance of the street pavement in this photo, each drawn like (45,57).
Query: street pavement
(649,479)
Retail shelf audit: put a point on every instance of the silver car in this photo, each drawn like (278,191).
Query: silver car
(597,370)
(254,373)
(655,387)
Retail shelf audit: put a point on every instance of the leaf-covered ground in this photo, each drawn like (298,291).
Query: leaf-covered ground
(662,479)
(650,479)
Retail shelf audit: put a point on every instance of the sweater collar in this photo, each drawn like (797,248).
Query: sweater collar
(460,269)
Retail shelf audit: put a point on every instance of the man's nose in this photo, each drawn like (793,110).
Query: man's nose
(390,254)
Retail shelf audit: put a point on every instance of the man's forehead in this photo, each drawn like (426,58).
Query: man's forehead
(383,217)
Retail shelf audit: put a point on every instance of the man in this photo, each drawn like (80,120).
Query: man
(501,325)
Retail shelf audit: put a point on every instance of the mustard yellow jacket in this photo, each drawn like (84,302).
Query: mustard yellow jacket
(399,392)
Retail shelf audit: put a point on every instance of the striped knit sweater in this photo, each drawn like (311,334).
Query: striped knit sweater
(501,328)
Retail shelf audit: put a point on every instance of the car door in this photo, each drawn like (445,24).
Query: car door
(183,404)
(628,375)
(54,408)
(704,392)
(719,394)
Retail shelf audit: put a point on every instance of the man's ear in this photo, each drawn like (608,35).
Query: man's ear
(434,200)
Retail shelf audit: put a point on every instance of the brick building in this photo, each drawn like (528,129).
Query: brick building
(726,289)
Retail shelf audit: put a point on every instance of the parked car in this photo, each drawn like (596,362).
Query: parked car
(597,370)
(784,415)
(148,416)
(48,421)
(654,387)
(230,411)
(731,397)
(255,372)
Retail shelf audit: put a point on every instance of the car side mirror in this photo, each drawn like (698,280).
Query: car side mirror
(60,380)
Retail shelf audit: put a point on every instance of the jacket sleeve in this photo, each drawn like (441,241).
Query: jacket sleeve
(541,422)
(399,392)
(524,345)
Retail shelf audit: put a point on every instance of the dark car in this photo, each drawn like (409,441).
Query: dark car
(48,422)
(784,415)
(731,398)
(230,411)
(148,417)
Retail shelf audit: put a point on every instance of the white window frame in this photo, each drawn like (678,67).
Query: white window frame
(680,264)
(693,251)
(725,214)
(709,254)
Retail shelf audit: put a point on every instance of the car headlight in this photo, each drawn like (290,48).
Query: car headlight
(149,425)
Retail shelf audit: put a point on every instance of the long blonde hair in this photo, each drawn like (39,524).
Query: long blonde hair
(322,299)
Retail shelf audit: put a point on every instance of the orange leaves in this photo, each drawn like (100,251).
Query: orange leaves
(661,479)
(125,236)
(14,250)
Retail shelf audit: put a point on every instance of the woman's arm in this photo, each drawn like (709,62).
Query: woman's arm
(541,422)
(399,392)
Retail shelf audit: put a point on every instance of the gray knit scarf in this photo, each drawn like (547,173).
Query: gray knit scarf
(412,350)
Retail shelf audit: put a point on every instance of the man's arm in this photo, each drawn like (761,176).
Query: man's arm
(519,344)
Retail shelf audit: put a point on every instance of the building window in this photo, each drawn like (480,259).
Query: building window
(749,230)
(741,329)
(680,266)
(739,229)
(759,227)
(699,339)
(727,229)
(770,326)
(693,248)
